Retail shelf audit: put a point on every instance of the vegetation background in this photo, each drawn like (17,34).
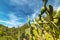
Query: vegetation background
(42,27)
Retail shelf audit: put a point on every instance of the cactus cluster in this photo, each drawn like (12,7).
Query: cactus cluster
(41,28)
(45,28)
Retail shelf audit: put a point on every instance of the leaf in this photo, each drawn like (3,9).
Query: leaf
(48,36)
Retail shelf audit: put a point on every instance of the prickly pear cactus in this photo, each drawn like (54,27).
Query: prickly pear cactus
(45,28)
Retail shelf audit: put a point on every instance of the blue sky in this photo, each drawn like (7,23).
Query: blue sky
(16,12)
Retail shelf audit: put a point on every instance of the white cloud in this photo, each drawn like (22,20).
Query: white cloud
(18,2)
(56,4)
(13,20)
(30,3)
(11,24)
(35,14)
(12,16)
(56,7)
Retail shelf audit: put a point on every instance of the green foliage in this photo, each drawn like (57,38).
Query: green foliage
(48,36)
(44,29)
